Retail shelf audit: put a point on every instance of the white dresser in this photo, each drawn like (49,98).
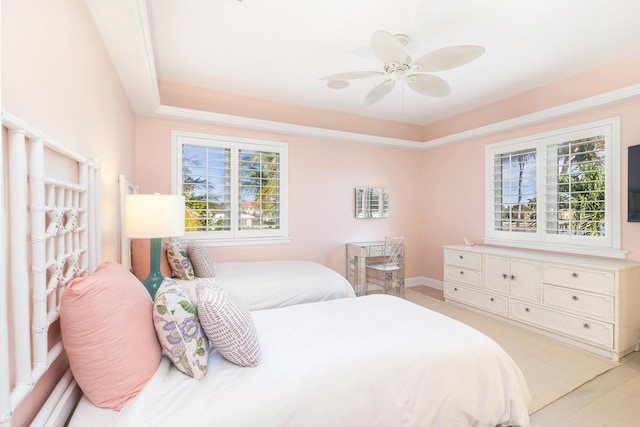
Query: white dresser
(591,303)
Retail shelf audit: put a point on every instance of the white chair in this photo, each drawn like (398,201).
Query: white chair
(388,273)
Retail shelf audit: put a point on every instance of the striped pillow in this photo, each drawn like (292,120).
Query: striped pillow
(199,257)
(228,324)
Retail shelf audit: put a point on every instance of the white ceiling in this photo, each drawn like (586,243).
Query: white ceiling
(278,50)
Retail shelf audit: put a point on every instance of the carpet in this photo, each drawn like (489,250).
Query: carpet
(552,369)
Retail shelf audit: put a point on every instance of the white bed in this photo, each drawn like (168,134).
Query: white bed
(369,361)
(259,284)
(269,284)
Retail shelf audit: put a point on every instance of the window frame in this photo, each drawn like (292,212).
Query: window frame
(234,236)
(607,246)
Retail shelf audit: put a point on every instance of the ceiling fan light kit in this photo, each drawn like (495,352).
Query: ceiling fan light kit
(398,66)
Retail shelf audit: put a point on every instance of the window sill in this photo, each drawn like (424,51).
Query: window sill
(564,249)
(248,241)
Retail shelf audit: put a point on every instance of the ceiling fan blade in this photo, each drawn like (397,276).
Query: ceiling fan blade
(447,58)
(353,75)
(387,47)
(429,85)
(379,92)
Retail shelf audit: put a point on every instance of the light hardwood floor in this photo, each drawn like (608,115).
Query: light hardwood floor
(610,400)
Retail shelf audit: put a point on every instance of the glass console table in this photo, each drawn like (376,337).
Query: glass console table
(357,254)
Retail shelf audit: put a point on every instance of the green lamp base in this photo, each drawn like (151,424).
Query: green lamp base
(155,277)
(153,282)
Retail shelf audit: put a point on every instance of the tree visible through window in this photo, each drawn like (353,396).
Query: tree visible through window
(516,191)
(233,188)
(578,207)
(259,189)
(556,188)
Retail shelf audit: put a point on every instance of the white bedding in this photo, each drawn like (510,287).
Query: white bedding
(268,284)
(371,361)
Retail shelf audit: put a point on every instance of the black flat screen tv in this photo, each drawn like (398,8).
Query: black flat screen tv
(634,184)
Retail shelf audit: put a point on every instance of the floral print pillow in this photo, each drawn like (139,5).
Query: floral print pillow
(179,261)
(175,318)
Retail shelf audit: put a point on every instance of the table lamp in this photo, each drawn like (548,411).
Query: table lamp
(154,216)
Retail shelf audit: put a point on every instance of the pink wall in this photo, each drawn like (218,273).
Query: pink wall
(57,76)
(322,178)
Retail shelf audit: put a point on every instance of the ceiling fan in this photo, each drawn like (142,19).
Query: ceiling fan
(398,66)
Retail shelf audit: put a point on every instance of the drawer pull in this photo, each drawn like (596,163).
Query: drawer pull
(526,309)
(461,272)
(491,299)
(512,277)
(455,289)
(574,297)
(586,326)
(574,275)
(504,275)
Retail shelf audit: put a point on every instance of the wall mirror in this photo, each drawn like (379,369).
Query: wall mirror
(372,202)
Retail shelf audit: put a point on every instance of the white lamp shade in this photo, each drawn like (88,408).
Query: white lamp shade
(151,216)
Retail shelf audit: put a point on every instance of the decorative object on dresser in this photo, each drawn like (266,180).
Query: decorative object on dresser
(154,216)
(389,272)
(583,301)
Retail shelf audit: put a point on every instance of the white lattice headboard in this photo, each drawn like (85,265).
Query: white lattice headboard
(50,229)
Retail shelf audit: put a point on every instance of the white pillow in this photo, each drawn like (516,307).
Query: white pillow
(227,323)
(176,322)
(199,257)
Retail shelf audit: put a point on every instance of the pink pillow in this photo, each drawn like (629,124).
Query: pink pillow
(107,330)
(141,261)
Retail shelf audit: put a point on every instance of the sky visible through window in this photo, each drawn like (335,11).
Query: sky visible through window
(518,178)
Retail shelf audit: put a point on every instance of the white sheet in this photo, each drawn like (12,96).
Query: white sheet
(371,361)
(268,284)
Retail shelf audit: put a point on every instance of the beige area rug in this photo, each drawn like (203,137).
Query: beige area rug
(552,369)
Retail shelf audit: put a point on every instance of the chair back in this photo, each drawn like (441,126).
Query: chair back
(394,249)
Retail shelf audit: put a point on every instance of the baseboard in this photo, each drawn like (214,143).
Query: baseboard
(424,281)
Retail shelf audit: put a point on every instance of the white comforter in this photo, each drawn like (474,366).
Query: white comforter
(371,361)
(268,284)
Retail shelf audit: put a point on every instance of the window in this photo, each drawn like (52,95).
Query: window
(558,190)
(235,189)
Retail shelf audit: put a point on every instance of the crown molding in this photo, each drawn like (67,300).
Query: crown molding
(280,127)
(598,101)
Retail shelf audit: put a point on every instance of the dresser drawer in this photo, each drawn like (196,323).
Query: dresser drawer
(463,259)
(463,275)
(578,278)
(578,302)
(593,331)
(494,303)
